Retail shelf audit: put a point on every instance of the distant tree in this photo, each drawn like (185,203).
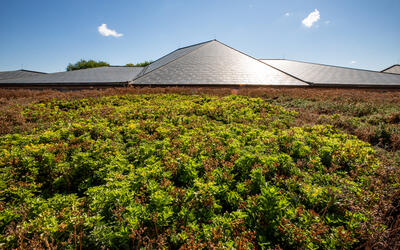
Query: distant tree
(142,64)
(83,64)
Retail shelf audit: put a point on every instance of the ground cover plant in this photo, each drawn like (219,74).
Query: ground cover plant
(128,168)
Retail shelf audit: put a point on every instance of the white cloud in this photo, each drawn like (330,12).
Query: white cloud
(311,18)
(105,31)
(288,14)
(327,22)
(353,62)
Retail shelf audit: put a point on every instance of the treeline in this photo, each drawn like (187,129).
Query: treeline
(142,64)
(83,64)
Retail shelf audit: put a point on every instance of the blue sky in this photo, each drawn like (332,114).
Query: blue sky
(46,35)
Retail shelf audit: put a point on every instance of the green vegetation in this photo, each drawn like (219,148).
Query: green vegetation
(83,64)
(142,64)
(189,171)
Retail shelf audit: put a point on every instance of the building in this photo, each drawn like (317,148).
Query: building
(22,73)
(320,75)
(395,69)
(213,63)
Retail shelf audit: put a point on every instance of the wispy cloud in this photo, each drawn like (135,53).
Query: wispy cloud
(353,62)
(288,14)
(327,22)
(105,31)
(312,18)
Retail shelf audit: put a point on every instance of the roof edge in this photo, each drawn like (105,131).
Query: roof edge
(2,84)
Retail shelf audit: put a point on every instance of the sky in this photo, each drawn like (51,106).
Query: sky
(46,35)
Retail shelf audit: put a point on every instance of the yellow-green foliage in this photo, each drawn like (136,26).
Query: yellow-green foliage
(181,171)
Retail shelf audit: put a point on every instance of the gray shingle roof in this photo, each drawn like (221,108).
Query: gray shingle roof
(213,63)
(210,63)
(172,56)
(102,75)
(327,75)
(395,69)
(18,74)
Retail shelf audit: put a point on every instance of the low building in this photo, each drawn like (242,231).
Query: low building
(320,75)
(93,77)
(213,63)
(394,69)
(22,73)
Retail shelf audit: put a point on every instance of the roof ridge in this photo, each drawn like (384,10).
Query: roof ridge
(140,75)
(264,63)
(195,44)
(32,71)
(24,70)
(145,68)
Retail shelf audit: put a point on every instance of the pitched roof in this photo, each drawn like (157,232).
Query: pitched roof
(212,63)
(102,75)
(327,75)
(18,74)
(394,69)
(172,56)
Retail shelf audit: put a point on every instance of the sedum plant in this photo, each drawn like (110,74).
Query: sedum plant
(182,171)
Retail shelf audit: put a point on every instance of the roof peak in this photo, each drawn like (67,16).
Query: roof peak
(212,63)
(185,47)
